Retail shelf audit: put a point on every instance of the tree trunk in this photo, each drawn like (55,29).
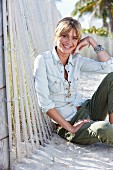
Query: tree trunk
(110,15)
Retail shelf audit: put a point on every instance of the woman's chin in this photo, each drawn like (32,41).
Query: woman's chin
(67,51)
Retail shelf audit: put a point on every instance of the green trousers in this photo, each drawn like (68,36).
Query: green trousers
(97,108)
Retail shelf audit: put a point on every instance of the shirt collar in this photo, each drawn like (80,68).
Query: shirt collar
(56,59)
(71,61)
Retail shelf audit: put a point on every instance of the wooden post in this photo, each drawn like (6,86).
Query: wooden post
(4,151)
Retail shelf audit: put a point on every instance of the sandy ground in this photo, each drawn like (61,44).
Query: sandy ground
(62,155)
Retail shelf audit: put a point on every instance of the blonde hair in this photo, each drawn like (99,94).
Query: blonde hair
(65,25)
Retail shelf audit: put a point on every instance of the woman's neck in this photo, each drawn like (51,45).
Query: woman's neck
(63,57)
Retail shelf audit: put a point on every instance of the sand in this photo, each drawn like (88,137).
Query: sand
(62,155)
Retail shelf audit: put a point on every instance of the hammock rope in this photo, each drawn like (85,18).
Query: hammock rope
(28,29)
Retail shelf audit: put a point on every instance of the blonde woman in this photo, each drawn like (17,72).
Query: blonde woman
(57,74)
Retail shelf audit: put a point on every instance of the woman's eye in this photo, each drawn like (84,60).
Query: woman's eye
(64,35)
(75,38)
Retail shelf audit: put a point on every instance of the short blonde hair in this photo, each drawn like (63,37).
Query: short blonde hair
(65,25)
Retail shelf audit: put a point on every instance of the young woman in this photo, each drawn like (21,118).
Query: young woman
(57,74)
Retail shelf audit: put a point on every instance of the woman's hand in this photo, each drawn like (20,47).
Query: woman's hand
(87,41)
(78,125)
(54,114)
(83,42)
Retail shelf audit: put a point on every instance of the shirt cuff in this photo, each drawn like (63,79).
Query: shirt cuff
(104,64)
(110,61)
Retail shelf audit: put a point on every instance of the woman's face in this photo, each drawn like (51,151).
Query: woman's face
(67,42)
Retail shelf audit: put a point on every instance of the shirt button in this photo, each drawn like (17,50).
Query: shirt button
(68,103)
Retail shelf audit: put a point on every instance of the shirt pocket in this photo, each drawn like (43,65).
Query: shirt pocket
(75,82)
(54,84)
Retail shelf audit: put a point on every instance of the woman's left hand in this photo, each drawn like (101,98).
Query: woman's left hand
(83,42)
(87,41)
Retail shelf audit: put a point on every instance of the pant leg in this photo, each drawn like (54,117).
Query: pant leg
(94,132)
(101,102)
(82,113)
(90,133)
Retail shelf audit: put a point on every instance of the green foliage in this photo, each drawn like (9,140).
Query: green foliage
(86,6)
(98,8)
(98,31)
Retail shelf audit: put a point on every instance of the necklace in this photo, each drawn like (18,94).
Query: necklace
(69,91)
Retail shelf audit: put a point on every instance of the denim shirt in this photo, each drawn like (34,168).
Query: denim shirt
(53,90)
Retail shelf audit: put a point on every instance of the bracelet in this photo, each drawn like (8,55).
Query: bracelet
(98,48)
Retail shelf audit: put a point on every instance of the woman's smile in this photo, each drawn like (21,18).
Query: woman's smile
(66,43)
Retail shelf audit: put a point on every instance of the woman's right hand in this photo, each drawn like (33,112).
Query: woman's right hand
(78,125)
(54,114)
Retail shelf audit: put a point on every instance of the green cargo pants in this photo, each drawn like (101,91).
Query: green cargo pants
(97,108)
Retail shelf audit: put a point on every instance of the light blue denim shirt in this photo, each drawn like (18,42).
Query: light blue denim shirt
(51,87)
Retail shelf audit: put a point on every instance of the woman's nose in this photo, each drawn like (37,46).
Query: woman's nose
(69,38)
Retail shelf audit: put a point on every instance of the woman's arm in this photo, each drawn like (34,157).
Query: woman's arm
(54,114)
(111,118)
(103,56)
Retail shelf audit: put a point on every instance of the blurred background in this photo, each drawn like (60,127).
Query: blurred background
(95,16)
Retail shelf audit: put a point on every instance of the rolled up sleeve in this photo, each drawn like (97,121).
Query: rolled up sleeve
(41,84)
(96,66)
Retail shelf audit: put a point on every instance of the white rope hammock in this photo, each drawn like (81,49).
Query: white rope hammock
(28,30)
